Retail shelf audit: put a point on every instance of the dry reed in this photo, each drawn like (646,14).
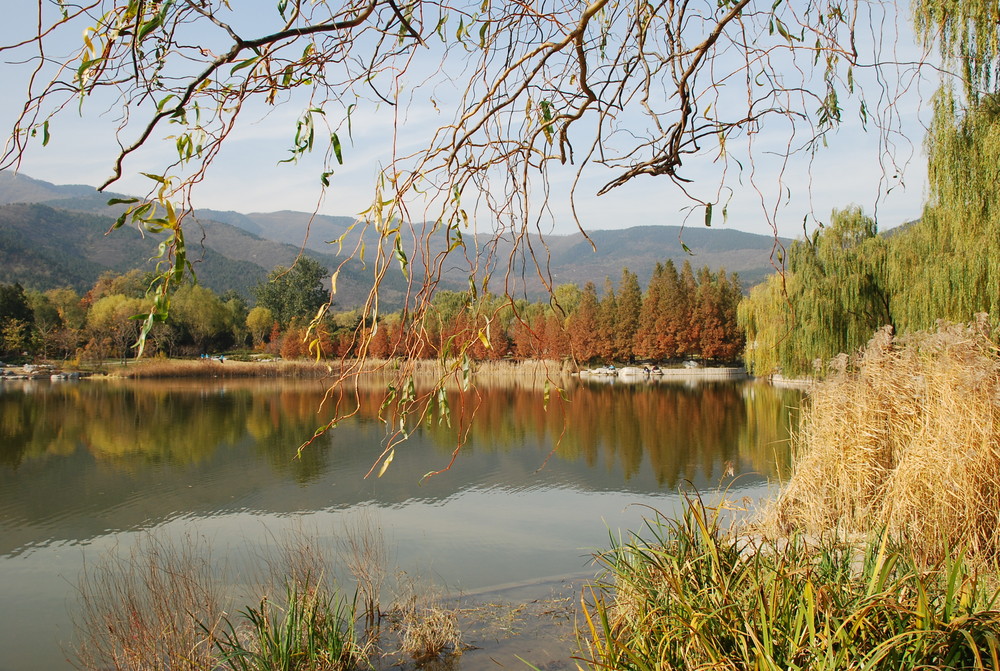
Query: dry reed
(149,609)
(904,438)
(211,368)
(365,554)
(426,630)
(530,370)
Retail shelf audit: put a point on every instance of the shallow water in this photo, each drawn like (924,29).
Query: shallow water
(89,468)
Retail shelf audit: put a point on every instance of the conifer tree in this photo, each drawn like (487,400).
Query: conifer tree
(582,326)
(671,319)
(647,336)
(606,316)
(629,306)
(687,334)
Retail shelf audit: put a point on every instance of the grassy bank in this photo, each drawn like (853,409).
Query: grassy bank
(691,595)
(881,552)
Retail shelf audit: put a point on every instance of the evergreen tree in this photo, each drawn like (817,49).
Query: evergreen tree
(295,292)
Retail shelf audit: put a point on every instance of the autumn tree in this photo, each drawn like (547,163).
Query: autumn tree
(607,315)
(204,319)
(259,321)
(111,318)
(582,326)
(629,307)
(646,336)
(670,319)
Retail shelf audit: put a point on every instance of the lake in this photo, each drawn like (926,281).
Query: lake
(89,468)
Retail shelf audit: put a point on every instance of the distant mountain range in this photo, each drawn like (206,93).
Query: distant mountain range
(55,235)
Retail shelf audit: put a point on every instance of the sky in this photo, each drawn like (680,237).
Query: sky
(248,176)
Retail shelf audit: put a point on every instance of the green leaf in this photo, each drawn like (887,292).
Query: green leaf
(148,27)
(708,215)
(401,256)
(122,201)
(337,151)
(244,64)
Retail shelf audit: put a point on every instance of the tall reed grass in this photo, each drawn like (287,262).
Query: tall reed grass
(690,595)
(904,437)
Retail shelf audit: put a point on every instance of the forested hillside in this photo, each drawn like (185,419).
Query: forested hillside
(42,247)
(216,236)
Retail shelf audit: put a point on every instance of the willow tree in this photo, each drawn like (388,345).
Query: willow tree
(947,266)
(832,299)
(608,89)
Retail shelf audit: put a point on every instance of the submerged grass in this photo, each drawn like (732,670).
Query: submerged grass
(311,630)
(160,607)
(692,596)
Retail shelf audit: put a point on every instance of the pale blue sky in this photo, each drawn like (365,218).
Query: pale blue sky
(247,176)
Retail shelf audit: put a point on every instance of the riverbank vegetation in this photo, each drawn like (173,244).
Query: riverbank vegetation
(690,594)
(880,552)
(903,437)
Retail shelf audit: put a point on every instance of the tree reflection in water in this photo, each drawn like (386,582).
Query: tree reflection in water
(682,431)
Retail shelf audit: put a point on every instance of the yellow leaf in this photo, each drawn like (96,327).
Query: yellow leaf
(385,464)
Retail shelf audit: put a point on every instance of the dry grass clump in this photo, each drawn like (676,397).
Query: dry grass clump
(426,630)
(159,607)
(149,609)
(905,438)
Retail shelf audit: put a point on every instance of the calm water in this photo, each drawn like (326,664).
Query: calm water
(87,468)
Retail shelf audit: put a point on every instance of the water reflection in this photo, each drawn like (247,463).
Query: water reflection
(86,466)
(683,432)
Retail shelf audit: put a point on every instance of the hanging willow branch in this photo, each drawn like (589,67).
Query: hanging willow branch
(644,87)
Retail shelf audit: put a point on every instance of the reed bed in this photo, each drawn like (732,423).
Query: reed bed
(904,438)
(691,595)
(531,369)
(213,368)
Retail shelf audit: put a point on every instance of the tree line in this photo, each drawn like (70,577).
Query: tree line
(681,315)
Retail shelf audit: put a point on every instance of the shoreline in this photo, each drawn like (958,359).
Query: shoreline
(212,368)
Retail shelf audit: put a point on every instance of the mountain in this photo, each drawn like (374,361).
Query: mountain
(54,235)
